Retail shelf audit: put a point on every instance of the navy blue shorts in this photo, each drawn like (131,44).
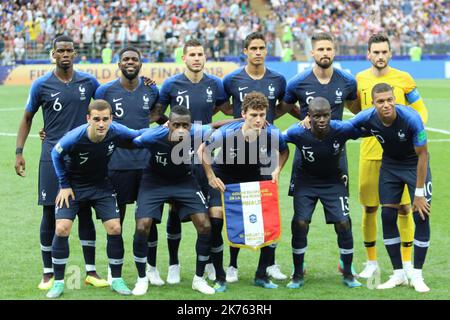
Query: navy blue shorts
(333,196)
(343,166)
(101,198)
(199,174)
(48,185)
(185,194)
(126,184)
(392,182)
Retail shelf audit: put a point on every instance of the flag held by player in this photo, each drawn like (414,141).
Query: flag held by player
(252,214)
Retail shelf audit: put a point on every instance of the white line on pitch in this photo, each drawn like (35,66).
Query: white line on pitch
(11,109)
(6,134)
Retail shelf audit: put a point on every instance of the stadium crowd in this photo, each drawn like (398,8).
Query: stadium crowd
(407,22)
(159,27)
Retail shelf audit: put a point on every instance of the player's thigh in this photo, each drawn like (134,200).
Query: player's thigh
(151,198)
(391,186)
(369,173)
(48,186)
(410,177)
(70,212)
(305,201)
(125,184)
(190,199)
(106,208)
(334,199)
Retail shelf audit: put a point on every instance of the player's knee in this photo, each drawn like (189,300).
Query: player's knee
(115,230)
(300,226)
(404,209)
(62,229)
(143,226)
(216,212)
(342,226)
(204,227)
(370,210)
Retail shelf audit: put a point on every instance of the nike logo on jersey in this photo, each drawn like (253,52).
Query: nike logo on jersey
(306,147)
(181,92)
(115,100)
(309,92)
(55,94)
(240,89)
(161,153)
(84,153)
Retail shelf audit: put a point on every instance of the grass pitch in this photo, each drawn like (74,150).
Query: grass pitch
(21,264)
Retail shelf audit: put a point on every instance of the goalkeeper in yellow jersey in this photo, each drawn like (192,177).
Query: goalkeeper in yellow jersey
(405,91)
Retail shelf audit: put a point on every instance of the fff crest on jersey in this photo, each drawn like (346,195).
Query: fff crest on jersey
(271,92)
(110,149)
(401,135)
(338,96)
(146,100)
(336,147)
(209,94)
(82,92)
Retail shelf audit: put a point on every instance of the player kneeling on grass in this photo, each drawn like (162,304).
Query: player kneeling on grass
(318,177)
(246,147)
(81,160)
(168,178)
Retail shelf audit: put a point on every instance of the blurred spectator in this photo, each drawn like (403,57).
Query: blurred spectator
(157,26)
(7,57)
(107,54)
(19,47)
(415,53)
(84,60)
(287,53)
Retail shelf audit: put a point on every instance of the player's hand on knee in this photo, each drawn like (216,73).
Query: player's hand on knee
(422,206)
(64,196)
(216,183)
(42,134)
(20,165)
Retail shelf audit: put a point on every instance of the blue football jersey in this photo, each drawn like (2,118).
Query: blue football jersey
(240,159)
(64,105)
(305,86)
(320,158)
(238,83)
(81,163)
(200,98)
(132,109)
(399,139)
(171,161)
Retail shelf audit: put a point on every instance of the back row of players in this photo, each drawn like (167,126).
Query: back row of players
(65,94)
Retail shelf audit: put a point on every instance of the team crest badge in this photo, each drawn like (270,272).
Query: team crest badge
(82,92)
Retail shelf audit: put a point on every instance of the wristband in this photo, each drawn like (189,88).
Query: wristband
(19,150)
(419,192)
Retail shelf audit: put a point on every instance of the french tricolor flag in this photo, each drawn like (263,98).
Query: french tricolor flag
(252,214)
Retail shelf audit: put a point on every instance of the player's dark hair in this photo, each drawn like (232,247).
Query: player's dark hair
(378,38)
(319,103)
(256,101)
(62,38)
(381,87)
(321,36)
(126,49)
(253,36)
(99,105)
(191,43)
(179,110)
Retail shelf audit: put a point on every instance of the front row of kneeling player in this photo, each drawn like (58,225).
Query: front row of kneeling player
(81,157)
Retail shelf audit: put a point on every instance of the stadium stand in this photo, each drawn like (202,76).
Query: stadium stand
(159,27)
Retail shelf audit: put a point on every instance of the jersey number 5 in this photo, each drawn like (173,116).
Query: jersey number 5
(119,110)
